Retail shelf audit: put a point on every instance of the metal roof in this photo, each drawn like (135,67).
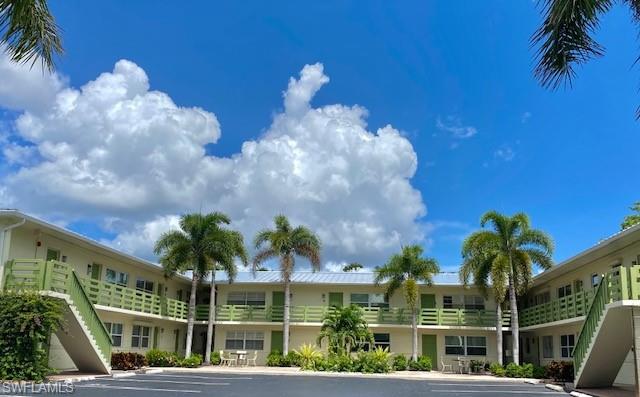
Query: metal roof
(307,277)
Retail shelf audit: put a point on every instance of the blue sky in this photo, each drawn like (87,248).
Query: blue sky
(453,77)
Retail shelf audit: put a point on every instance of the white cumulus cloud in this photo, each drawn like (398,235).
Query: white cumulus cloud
(114,149)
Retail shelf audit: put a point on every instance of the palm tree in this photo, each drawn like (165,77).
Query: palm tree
(285,242)
(352,267)
(632,219)
(404,271)
(228,245)
(478,263)
(29,32)
(506,254)
(344,328)
(192,248)
(565,38)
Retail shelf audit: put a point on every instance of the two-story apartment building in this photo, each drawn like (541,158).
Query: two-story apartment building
(117,302)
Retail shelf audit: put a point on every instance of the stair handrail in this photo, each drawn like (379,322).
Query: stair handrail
(591,321)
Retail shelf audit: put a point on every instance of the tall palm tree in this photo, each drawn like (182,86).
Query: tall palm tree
(192,248)
(286,242)
(227,246)
(506,253)
(478,263)
(404,271)
(29,32)
(565,38)
(344,328)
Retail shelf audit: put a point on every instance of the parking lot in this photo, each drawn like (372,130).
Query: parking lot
(228,385)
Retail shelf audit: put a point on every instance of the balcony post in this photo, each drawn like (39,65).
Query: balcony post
(45,276)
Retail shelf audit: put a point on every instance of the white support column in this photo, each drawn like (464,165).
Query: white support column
(635,313)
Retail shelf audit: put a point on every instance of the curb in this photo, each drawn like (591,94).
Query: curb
(554,387)
(580,394)
(124,375)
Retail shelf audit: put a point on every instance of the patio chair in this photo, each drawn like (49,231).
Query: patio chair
(444,366)
(227,360)
(252,360)
(462,364)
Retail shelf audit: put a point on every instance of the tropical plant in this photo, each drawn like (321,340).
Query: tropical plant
(405,271)
(285,243)
(352,267)
(423,363)
(195,247)
(227,245)
(345,330)
(565,38)
(308,355)
(375,361)
(29,32)
(632,219)
(400,362)
(505,256)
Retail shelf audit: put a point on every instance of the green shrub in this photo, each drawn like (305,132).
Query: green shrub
(127,361)
(400,363)
(512,370)
(292,359)
(497,370)
(560,371)
(276,359)
(194,360)
(215,358)
(422,364)
(375,361)
(476,366)
(26,322)
(308,355)
(160,358)
(539,372)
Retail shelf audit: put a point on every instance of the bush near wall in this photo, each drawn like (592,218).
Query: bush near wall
(513,370)
(27,321)
(161,358)
(127,361)
(560,371)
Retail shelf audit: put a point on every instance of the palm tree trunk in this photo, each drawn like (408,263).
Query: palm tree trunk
(414,339)
(515,329)
(285,320)
(191,316)
(212,318)
(499,332)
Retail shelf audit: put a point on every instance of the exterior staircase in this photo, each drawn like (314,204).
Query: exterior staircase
(608,330)
(84,336)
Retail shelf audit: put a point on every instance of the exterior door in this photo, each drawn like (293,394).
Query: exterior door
(430,348)
(427,301)
(96,271)
(276,341)
(277,303)
(336,299)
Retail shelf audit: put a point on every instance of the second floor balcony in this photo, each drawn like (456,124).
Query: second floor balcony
(565,308)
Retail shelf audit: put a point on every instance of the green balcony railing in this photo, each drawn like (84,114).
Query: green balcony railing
(565,308)
(619,284)
(38,275)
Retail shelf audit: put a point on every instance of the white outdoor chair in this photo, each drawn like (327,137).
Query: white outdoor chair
(252,360)
(444,366)
(462,364)
(227,360)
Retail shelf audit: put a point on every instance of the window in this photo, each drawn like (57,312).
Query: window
(249,340)
(564,291)
(115,330)
(567,343)
(369,300)
(53,254)
(465,346)
(140,336)
(542,298)
(115,277)
(578,286)
(144,285)
(380,340)
(246,298)
(547,346)
(595,280)
(469,302)
(454,345)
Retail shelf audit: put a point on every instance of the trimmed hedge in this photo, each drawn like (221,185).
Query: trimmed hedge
(422,364)
(27,321)
(161,358)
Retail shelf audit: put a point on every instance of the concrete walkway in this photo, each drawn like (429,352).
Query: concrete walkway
(292,371)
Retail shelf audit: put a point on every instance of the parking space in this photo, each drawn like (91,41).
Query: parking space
(228,385)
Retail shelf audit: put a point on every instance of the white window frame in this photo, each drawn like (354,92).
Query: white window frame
(564,291)
(246,298)
(379,342)
(547,346)
(373,300)
(119,278)
(249,340)
(145,285)
(115,333)
(595,276)
(58,256)
(566,349)
(140,338)
(467,302)
(464,344)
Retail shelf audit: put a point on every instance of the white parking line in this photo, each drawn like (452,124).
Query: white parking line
(170,381)
(203,377)
(477,384)
(109,387)
(495,391)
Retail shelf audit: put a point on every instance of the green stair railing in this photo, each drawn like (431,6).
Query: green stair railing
(40,275)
